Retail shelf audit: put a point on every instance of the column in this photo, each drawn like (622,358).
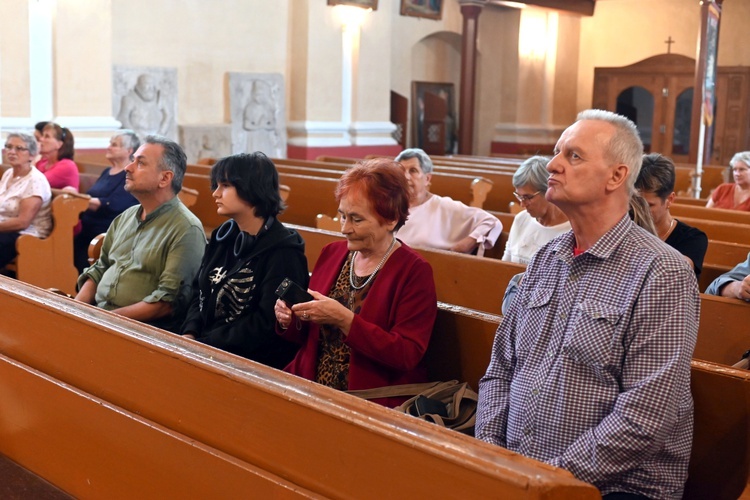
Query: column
(470,10)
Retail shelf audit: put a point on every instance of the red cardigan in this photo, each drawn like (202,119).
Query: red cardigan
(389,336)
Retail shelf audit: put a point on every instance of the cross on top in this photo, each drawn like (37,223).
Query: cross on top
(669,43)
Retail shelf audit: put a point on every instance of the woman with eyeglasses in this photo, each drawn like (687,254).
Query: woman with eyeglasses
(24,196)
(540,221)
(734,195)
(439,221)
(56,150)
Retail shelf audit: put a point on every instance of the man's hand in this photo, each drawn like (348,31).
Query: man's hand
(737,289)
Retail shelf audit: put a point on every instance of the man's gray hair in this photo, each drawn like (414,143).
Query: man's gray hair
(173,159)
(28,139)
(742,156)
(425,163)
(129,138)
(625,146)
(532,172)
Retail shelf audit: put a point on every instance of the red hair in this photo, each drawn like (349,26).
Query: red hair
(384,185)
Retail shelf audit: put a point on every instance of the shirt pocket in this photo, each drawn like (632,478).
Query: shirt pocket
(593,332)
(538,300)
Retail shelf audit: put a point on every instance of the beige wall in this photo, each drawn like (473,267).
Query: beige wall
(302,40)
(82,69)
(203,40)
(14,60)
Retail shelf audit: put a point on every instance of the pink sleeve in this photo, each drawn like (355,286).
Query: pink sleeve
(63,173)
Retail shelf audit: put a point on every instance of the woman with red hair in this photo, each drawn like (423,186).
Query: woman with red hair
(374,301)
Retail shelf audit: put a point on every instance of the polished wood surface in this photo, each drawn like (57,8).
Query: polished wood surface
(124,410)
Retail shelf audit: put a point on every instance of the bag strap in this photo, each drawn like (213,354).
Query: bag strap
(403,390)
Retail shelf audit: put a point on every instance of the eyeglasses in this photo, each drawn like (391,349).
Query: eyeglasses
(525,197)
(18,149)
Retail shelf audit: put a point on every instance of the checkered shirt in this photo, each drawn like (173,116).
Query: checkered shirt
(590,369)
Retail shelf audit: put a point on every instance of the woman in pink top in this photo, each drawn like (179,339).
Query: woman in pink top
(736,195)
(56,150)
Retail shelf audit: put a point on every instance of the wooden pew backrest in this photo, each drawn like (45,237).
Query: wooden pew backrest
(110,400)
(48,262)
(720,460)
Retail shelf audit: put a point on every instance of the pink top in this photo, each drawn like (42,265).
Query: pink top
(63,173)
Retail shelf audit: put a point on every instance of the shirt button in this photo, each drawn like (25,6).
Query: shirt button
(550,353)
(563,316)
(535,392)
(527,431)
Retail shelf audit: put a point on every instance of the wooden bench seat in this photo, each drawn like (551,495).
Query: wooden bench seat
(124,410)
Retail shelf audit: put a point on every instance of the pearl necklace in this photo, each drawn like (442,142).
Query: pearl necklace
(372,275)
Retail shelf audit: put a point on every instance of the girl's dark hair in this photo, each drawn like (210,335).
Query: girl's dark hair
(254,177)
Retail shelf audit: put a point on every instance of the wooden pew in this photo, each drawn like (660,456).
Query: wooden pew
(312,195)
(713,175)
(689,200)
(723,330)
(48,262)
(468,188)
(495,199)
(721,231)
(720,459)
(712,214)
(123,410)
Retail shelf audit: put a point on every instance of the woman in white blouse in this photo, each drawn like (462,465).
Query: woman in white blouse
(24,196)
(541,221)
(439,221)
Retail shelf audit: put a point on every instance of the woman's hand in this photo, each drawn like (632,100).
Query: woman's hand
(283,314)
(324,311)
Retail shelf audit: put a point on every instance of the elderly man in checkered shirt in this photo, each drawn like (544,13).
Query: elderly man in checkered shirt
(590,368)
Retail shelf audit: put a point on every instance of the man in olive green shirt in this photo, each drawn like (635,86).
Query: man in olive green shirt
(153,250)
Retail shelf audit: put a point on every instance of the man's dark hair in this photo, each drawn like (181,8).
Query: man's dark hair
(173,159)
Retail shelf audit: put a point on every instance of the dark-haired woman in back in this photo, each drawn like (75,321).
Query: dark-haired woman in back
(656,184)
(245,261)
(56,151)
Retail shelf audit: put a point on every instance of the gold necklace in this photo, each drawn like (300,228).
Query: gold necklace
(669,231)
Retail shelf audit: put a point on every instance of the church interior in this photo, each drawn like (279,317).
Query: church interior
(534,65)
(94,405)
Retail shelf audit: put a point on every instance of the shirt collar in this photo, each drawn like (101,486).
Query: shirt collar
(167,205)
(602,249)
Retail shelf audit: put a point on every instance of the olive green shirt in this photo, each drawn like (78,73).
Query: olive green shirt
(149,260)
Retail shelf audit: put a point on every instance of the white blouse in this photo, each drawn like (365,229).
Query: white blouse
(441,222)
(15,189)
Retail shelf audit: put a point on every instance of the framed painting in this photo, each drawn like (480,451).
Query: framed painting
(431,9)
(367,4)
(433,117)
